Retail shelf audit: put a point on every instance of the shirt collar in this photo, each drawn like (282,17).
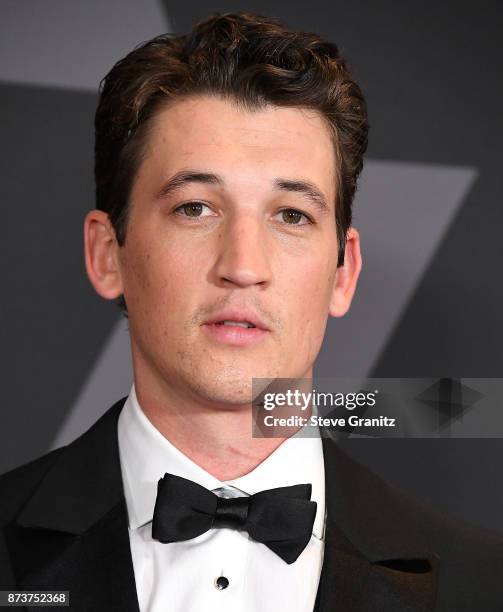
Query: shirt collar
(146,455)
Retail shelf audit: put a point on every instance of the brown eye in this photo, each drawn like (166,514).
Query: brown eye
(191,209)
(293,217)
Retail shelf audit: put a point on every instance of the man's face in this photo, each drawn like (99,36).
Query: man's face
(238,235)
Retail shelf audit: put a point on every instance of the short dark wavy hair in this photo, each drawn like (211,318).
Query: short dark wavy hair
(251,59)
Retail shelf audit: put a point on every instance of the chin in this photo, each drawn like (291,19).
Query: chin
(233,390)
(228,396)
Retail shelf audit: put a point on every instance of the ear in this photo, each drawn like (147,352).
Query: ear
(346,276)
(101,255)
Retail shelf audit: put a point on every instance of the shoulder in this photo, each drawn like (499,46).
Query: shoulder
(17,485)
(93,457)
(381,502)
(449,536)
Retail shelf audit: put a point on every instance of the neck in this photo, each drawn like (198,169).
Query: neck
(218,438)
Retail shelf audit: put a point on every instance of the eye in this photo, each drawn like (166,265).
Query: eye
(192,209)
(292,216)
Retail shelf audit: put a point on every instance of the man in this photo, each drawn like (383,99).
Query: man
(226,165)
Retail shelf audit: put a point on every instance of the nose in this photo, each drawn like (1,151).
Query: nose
(243,258)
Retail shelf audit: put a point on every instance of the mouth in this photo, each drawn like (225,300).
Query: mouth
(236,330)
(245,319)
(244,324)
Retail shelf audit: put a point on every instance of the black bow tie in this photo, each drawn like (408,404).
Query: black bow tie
(281,518)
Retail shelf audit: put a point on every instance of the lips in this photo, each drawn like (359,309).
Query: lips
(227,317)
(245,324)
(234,335)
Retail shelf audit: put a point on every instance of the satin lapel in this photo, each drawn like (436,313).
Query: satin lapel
(73,533)
(374,559)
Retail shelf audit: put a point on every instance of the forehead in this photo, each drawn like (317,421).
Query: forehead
(249,145)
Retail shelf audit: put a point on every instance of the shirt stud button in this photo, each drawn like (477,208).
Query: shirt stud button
(221,583)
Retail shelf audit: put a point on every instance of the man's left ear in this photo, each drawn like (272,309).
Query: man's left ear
(346,276)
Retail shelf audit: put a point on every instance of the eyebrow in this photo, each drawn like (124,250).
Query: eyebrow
(306,188)
(310,191)
(189,176)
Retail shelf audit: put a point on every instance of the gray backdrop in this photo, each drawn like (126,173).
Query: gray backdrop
(429,209)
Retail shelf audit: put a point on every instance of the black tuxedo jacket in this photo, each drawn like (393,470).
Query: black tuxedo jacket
(63,526)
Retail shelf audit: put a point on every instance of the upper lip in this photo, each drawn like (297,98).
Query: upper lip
(243,316)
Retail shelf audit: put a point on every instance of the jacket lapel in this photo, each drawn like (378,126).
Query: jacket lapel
(84,546)
(375,558)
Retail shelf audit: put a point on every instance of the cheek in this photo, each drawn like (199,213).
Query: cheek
(311,283)
(309,297)
(161,276)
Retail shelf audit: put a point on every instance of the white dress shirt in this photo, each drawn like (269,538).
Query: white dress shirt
(180,576)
